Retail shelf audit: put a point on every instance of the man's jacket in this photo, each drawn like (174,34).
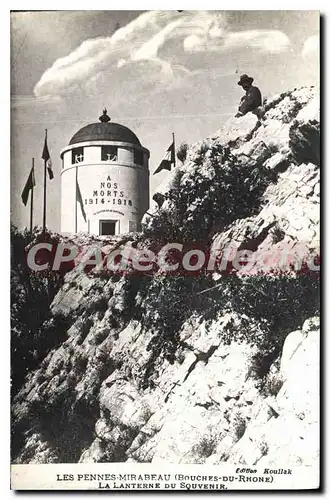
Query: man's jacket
(251,100)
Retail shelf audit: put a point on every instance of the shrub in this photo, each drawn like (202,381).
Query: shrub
(268,308)
(273,384)
(239,426)
(66,423)
(182,152)
(277,234)
(33,329)
(279,304)
(305,142)
(206,446)
(215,191)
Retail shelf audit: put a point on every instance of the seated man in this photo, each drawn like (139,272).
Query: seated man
(252,99)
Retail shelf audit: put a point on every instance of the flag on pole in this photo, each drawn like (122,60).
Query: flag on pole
(168,159)
(30,183)
(46,157)
(80,201)
(50,170)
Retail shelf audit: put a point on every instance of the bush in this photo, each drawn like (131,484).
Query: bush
(268,308)
(279,304)
(182,152)
(273,384)
(239,426)
(33,329)
(216,190)
(206,446)
(65,423)
(305,142)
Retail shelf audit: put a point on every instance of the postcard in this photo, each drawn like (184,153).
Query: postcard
(165,250)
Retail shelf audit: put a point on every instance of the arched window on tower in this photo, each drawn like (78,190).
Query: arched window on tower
(109,153)
(77,155)
(138,157)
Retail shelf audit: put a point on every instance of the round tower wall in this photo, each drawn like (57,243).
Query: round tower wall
(114,191)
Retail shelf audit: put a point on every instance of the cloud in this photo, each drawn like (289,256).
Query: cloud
(311,46)
(268,41)
(139,51)
(149,50)
(140,40)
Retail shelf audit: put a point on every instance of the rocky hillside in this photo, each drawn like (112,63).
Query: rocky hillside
(210,368)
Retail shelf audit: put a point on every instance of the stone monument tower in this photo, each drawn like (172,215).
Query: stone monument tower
(104,180)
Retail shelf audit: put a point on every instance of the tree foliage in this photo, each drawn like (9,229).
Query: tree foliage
(34,331)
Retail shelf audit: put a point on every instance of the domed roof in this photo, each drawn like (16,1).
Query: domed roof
(105,131)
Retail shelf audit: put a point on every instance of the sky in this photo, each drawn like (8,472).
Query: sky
(156,72)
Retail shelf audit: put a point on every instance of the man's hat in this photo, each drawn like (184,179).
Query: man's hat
(245,79)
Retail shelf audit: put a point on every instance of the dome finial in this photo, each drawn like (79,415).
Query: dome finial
(104,118)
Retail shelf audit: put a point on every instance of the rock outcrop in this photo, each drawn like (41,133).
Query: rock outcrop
(204,369)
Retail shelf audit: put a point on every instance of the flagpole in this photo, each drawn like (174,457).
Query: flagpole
(44,213)
(76,212)
(31,206)
(174,164)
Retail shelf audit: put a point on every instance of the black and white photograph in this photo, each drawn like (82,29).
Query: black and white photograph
(165,250)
